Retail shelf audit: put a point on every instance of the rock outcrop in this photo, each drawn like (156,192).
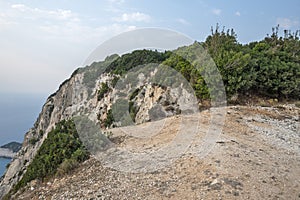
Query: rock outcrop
(79,95)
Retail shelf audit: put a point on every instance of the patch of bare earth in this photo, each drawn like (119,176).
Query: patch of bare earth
(257,156)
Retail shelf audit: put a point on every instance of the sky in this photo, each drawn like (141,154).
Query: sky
(43,42)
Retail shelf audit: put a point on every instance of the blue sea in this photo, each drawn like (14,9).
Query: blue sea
(3,163)
(18,113)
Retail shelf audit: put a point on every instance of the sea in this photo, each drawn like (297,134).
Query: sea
(18,112)
(3,163)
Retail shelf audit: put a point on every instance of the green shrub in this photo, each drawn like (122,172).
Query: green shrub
(62,144)
(109,119)
(128,61)
(114,81)
(102,91)
(67,166)
(80,155)
(33,141)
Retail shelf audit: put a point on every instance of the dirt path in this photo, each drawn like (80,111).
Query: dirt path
(257,156)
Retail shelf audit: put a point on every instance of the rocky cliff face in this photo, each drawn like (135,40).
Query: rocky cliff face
(80,95)
(53,111)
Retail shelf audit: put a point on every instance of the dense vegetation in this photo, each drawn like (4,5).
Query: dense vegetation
(139,57)
(269,68)
(266,69)
(61,151)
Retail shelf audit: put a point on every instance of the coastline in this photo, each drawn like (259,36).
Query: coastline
(6,153)
(6,157)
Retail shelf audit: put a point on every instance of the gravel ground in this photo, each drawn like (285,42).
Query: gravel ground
(255,157)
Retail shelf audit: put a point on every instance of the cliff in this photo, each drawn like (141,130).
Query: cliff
(81,94)
(52,112)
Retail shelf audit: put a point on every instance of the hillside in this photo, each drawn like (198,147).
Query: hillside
(9,150)
(257,156)
(13,146)
(84,120)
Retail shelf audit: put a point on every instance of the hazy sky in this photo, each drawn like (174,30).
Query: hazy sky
(43,41)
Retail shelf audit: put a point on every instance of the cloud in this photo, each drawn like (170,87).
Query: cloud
(217,11)
(183,21)
(36,13)
(61,25)
(59,40)
(64,25)
(20,7)
(48,53)
(287,23)
(133,17)
(237,13)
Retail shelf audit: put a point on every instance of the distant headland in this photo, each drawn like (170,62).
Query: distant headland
(9,150)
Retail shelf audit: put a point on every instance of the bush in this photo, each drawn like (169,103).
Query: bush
(61,145)
(102,91)
(109,119)
(33,141)
(128,61)
(114,81)
(67,166)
